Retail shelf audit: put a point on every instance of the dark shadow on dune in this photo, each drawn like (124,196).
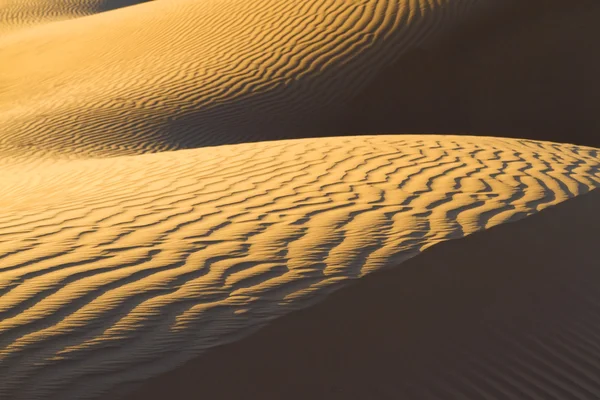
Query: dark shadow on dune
(513,312)
(528,72)
(108,5)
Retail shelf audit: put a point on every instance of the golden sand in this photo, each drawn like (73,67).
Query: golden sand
(127,246)
(119,268)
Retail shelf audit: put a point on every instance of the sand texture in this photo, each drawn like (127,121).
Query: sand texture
(187,73)
(509,313)
(17,15)
(116,269)
(529,70)
(177,174)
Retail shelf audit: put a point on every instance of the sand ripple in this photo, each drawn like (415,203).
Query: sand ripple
(119,260)
(117,269)
(22,14)
(188,73)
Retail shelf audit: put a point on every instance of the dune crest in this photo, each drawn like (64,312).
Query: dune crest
(117,269)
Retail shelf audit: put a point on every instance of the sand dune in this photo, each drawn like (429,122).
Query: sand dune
(128,246)
(187,73)
(117,269)
(21,14)
(510,313)
(529,71)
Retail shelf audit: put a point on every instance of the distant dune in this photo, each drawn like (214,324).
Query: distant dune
(18,15)
(508,313)
(188,73)
(177,174)
(529,71)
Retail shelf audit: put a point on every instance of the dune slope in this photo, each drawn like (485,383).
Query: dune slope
(117,269)
(120,260)
(187,73)
(528,71)
(23,14)
(510,313)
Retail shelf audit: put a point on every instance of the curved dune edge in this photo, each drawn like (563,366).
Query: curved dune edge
(118,269)
(507,313)
(188,73)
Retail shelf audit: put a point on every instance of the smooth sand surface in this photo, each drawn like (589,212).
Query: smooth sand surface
(529,71)
(128,246)
(510,313)
(121,268)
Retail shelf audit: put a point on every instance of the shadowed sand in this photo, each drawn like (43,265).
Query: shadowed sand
(508,313)
(528,71)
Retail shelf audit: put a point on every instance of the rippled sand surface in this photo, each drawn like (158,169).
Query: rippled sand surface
(147,211)
(119,268)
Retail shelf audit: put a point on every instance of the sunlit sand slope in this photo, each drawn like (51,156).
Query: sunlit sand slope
(509,313)
(20,14)
(117,269)
(187,73)
(527,71)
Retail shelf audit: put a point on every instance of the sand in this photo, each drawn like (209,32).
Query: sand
(529,71)
(167,75)
(16,15)
(178,174)
(511,312)
(152,77)
(121,268)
